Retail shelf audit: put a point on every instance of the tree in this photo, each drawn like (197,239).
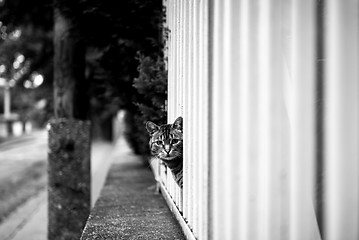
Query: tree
(70,86)
(26,29)
(113,33)
(151,85)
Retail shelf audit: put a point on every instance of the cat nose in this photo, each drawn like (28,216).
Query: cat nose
(167,148)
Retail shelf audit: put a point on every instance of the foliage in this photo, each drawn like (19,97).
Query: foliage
(34,105)
(35,13)
(131,27)
(114,32)
(33,20)
(151,85)
(26,29)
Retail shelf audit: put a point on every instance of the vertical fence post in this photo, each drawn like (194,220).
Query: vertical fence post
(69,135)
(303,223)
(342,120)
(261,116)
(69,178)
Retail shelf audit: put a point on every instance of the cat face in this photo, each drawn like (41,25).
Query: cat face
(166,140)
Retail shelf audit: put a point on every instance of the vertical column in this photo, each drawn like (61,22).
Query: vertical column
(217,213)
(69,193)
(225,120)
(203,121)
(272,124)
(250,135)
(264,118)
(186,114)
(303,224)
(69,136)
(7,99)
(188,176)
(245,130)
(7,109)
(182,79)
(341,129)
(195,123)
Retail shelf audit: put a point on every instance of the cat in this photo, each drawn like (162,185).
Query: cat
(166,144)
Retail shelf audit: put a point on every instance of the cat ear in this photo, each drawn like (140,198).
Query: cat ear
(151,127)
(178,124)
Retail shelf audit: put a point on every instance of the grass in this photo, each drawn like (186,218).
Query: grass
(18,188)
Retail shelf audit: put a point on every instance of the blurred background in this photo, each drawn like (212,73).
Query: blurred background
(124,61)
(124,69)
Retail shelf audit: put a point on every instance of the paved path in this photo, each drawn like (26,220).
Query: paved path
(29,221)
(129,207)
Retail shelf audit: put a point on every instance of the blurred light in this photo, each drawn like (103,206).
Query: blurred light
(3,36)
(27,84)
(16,64)
(2,68)
(41,104)
(12,83)
(16,34)
(17,75)
(38,80)
(20,58)
(2,82)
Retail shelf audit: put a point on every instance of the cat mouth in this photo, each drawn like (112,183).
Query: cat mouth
(167,157)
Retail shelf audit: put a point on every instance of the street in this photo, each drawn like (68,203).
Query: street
(21,152)
(18,156)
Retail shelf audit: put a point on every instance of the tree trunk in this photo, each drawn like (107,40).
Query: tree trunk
(71,89)
(69,170)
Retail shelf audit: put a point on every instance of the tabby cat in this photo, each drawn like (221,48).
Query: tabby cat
(166,143)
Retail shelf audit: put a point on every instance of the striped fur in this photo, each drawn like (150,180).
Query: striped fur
(166,143)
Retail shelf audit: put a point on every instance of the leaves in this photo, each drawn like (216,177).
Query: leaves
(151,84)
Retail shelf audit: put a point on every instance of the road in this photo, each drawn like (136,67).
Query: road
(21,152)
(29,221)
(17,156)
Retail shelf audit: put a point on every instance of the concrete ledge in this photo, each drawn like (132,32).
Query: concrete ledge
(185,228)
(129,208)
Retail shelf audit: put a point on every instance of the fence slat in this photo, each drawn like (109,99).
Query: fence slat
(242,73)
(303,223)
(342,105)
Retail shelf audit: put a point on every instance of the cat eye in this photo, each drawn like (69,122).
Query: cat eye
(174,141)
(158,142)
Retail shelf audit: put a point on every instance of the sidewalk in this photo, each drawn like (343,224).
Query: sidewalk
(30,220)
(129,207)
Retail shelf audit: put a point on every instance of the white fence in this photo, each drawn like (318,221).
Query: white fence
(269,93)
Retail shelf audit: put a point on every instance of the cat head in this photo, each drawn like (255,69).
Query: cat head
(166,141)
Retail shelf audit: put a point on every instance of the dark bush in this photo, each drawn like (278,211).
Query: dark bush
(150,105)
